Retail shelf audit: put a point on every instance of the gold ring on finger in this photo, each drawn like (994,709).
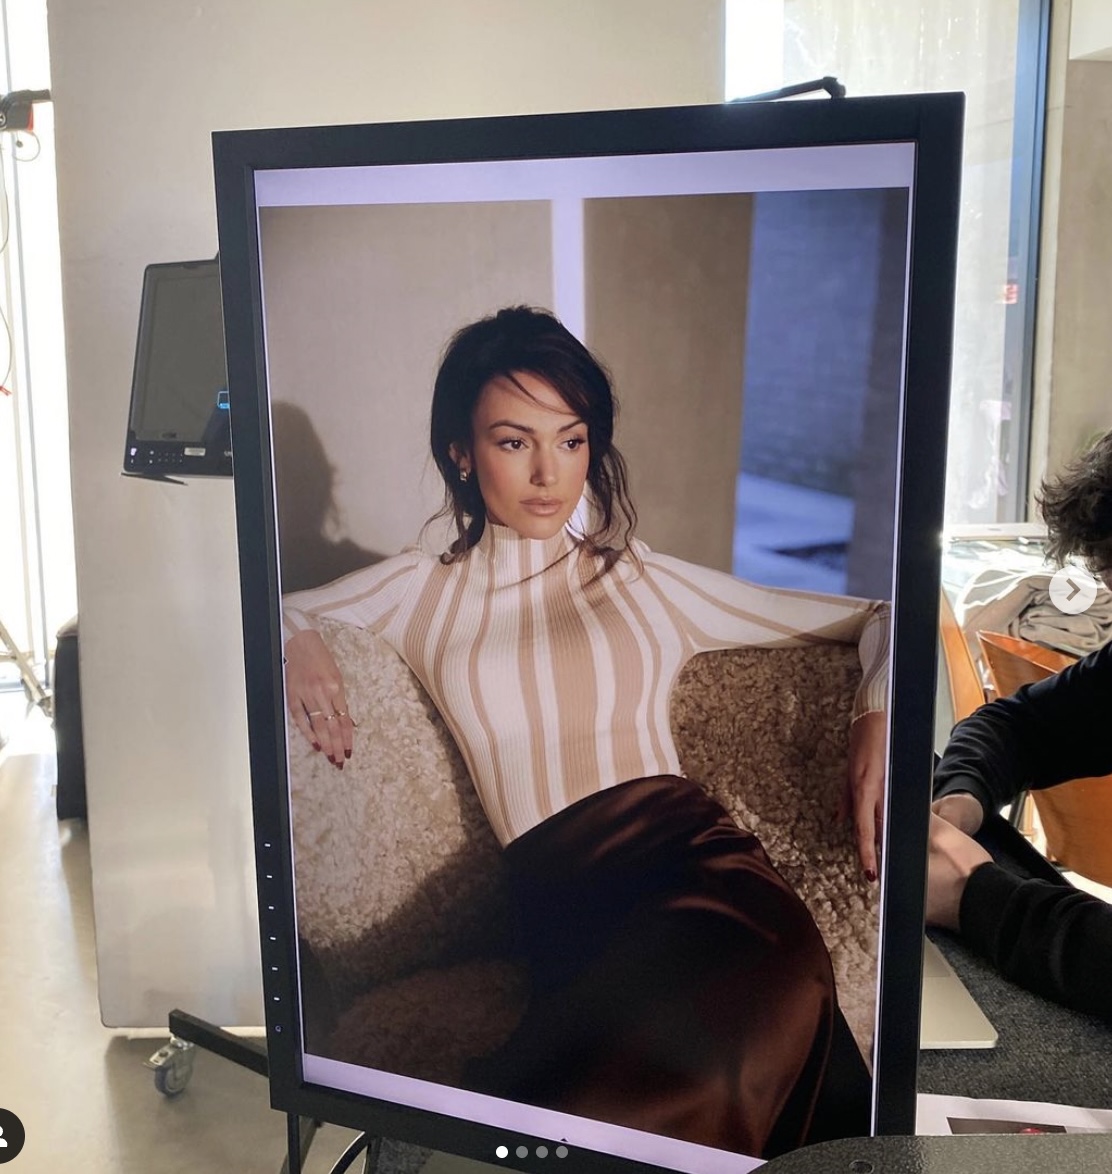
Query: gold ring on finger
(316,713)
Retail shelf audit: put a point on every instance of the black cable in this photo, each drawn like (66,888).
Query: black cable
(830,84)
(362,1142)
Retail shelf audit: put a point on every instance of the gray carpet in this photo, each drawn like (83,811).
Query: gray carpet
(1045,1052)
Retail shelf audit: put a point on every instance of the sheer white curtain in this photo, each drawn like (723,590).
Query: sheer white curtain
(37,581)
(908,46)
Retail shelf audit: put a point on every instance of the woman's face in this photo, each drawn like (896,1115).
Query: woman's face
(530,455)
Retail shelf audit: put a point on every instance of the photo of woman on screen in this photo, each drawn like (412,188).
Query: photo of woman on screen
(678,984)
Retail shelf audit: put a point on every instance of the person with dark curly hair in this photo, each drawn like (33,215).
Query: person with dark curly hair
(1077,509)
(1037,930)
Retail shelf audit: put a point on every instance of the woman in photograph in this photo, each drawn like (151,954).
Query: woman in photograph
(678,984)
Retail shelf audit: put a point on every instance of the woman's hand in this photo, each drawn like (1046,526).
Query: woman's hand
(315,696)
(863,797)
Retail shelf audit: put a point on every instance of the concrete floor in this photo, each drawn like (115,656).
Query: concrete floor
(81,1091)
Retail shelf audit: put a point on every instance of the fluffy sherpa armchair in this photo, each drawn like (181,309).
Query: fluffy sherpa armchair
(400,892)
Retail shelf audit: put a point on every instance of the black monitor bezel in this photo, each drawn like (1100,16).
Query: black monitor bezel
(933,123)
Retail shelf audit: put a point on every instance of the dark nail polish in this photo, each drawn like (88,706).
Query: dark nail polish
(340,765)
(332,759)
(870,876)
(347,753)
(316,745)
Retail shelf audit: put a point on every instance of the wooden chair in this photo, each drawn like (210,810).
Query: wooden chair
(1013,662)
(1076,816)
(966,691)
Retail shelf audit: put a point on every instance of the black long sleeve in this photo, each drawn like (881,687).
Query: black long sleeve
(1051,938)
(1048,733)
(1048,937)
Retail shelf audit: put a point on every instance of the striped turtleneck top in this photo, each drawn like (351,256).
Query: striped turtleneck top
(553,674)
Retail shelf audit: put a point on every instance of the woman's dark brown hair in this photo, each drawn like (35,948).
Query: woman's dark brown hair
(526,340)
(1077,508)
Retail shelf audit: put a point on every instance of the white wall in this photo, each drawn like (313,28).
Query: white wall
(1091,30)
(137,89)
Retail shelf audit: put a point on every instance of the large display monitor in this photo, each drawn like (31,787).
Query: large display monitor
(470,937)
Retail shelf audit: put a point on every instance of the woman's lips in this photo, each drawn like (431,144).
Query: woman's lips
(543,506)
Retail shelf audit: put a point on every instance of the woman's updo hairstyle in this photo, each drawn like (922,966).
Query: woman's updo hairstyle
(523,339)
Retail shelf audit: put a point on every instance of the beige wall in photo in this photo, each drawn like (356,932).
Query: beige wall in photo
(360,302)
(667,279)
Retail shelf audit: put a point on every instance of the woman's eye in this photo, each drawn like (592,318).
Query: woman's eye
(513,443)
(574,442)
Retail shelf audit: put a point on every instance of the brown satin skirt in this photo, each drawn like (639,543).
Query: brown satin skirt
(679,986)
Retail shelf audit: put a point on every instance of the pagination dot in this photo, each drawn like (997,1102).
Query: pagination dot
(561,1151)
(502,1152)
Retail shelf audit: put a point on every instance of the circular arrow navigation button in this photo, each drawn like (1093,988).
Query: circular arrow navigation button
(1072,590)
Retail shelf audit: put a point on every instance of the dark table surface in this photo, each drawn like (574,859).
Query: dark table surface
(1064,1153)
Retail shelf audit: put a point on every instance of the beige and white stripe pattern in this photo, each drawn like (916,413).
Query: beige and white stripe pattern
(554,675)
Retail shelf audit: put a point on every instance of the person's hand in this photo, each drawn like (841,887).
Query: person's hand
(315,696)
(962,810)
(863,797)
(951,858)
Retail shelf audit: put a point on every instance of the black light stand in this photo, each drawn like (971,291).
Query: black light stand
(173,1067)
